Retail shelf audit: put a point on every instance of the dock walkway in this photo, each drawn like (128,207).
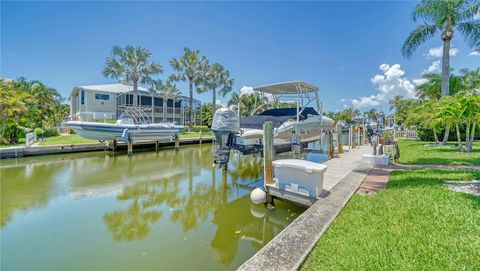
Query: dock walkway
(288,250)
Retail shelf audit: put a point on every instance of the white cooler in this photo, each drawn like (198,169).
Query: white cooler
(299,176)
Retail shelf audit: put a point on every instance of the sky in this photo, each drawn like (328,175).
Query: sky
(351,50)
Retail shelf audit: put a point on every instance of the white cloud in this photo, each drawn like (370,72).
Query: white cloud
(474,53)
(476,16)
(435,67)
(437,52)
(246,90)
(418,82)
(249,90)
(389,84)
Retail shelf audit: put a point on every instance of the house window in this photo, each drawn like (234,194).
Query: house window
(82,97)
(146,100)
(103,97)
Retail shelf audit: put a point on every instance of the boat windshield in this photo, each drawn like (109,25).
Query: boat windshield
(276,116)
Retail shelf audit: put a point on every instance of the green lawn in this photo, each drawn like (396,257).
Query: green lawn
(414,224)
(415,152)
(76,139)
(65,139)
(196,135)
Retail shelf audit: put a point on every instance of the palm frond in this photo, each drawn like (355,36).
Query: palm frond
(417,37)
(471,31)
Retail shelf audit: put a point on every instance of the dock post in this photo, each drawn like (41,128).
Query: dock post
(129,148)
(268,159)
(365,140)
(331,148)
(340,139)
(268,152)
(177,142)
(353,137)
(156,146)
(200,134)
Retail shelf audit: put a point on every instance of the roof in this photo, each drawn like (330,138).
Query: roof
(112,88)
(117,88)
(292,87)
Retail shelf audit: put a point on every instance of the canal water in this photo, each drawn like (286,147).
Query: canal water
(152,211)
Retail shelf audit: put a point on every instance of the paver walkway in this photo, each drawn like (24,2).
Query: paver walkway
(377,179)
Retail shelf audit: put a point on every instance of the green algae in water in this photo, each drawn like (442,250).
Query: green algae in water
(152,211)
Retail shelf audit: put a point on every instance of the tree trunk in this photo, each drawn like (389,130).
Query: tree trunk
(174,100)
(164,109)
(435,136)
(445,136)
(446,67)
(467,136)
(135,94)
(472,137)
(459,139)
(214,94)
(153,110)
(190,107)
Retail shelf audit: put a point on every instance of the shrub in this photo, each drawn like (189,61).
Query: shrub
(198,128)
(38,131)
(51,132)
(426,134)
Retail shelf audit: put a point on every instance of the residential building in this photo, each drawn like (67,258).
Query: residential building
(109,101)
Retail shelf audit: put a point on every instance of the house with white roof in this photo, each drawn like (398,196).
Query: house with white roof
(109,101)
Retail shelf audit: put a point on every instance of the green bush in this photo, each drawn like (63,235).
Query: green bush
(51,132)
(39,131)
(197,128)
(426,134)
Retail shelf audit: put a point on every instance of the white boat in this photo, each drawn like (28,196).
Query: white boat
(163,132)
(303,120)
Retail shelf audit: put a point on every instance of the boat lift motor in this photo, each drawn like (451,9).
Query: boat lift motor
(224,126)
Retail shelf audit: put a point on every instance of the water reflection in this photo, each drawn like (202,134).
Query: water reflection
(166,192)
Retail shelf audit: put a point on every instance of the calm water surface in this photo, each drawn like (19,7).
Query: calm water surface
(152,211)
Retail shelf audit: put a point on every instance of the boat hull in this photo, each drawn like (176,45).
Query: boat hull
(250,140)
(125,132)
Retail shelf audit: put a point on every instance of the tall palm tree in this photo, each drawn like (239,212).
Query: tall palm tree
(445,16)
(130,64)
(217,78)
(190,66)
(168,90)
(174,96)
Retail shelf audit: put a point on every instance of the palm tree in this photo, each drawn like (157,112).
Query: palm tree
(190,66)
(217,78)
(130,64)
(445,16)
(167,90)
(174,96)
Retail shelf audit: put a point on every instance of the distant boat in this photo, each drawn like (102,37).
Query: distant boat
(126,130)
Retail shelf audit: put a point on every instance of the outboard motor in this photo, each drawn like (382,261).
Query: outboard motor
(224,125)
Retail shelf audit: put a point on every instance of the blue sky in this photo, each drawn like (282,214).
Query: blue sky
(339,46)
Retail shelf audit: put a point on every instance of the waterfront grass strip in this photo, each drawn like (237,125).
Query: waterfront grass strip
(416,223)
(416,152)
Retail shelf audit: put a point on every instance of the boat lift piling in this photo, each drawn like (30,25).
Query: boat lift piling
(268,159)
(339,139)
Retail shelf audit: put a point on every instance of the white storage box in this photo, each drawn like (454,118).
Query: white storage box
(371,159)
(299,176)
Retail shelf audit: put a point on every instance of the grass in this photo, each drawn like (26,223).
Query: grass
(76,139)
(414,224)
(65,139)
(196,135)
(415,152)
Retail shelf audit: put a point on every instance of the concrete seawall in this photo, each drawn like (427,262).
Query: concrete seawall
(15,152)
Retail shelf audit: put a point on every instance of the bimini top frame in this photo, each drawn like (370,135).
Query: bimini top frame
(302,92)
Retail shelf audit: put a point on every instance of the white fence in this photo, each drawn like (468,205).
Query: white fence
(405,134)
